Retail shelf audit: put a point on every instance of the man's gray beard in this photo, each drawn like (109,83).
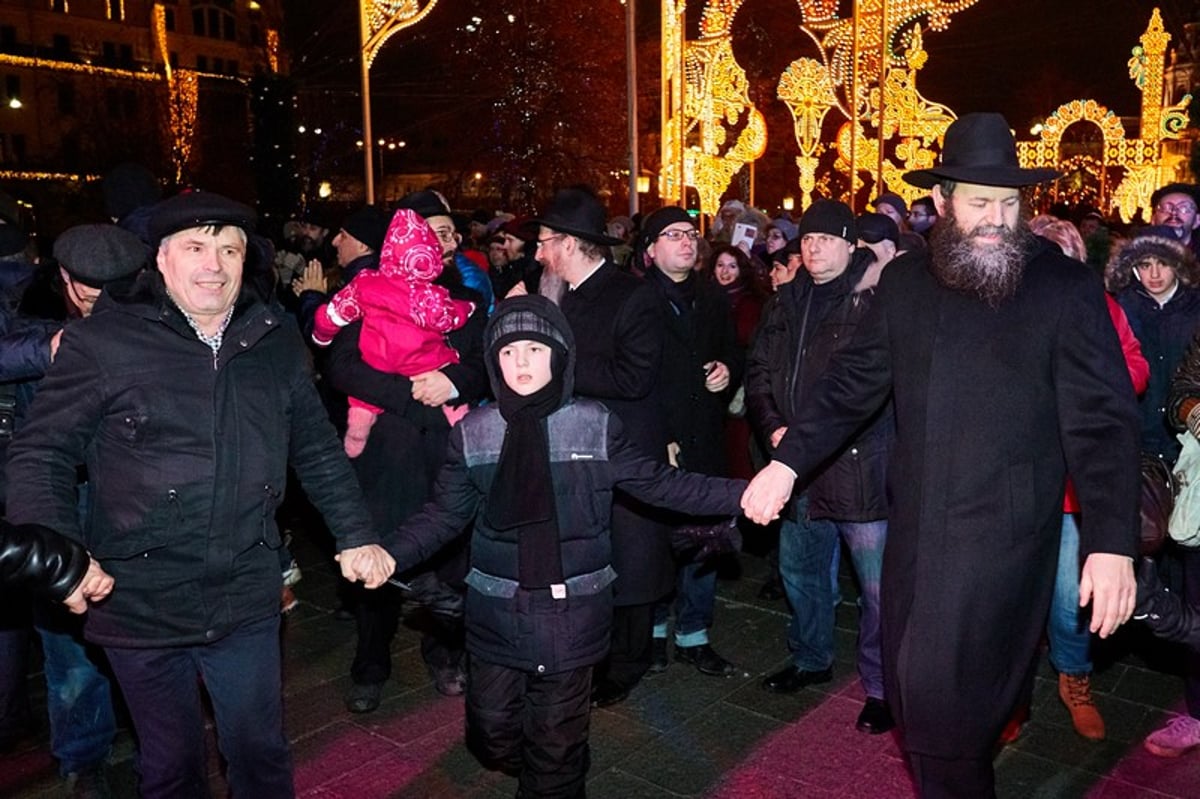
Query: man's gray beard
(990,273)
(551,286)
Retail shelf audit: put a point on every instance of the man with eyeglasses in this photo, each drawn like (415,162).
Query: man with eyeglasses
(922,215)
(433,207)
(701,369)
(618,331)
(1175,205)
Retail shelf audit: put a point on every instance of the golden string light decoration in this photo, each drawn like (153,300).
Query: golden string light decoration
(1135,166)
(383,19)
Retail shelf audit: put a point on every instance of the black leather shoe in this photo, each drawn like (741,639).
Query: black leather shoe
(875,718)
(658,657)
(363,698)
(792,679)
(705,659)
(607,692)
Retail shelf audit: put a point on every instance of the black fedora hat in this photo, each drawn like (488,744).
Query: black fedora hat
(979,148)
(577,212)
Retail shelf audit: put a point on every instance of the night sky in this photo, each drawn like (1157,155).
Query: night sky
(1023,58)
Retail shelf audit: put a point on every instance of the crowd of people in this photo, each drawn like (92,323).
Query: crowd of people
(541,436)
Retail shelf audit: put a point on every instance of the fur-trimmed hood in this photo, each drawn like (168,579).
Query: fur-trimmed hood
(1118,274)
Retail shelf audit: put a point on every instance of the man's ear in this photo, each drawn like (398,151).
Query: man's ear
(939,200)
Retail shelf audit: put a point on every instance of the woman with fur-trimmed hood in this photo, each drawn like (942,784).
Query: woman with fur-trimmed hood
(1156,280)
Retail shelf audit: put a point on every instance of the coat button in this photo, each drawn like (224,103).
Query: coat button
(854,450)
(243,344)
(541,669)
(210,634)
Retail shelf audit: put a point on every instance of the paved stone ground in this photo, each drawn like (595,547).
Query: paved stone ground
(680,734)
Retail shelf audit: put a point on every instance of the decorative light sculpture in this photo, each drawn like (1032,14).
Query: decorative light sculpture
(380,20)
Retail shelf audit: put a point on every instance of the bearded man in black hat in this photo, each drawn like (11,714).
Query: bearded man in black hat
(619,333)
(1006,374)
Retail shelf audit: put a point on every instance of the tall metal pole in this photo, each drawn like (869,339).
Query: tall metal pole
(368,141)
(631,91)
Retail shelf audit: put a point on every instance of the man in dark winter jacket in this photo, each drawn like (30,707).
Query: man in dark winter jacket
(1006,373)
(700,363)
(815,316)
(535,472)
(187,397)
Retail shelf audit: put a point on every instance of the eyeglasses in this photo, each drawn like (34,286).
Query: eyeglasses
(444,236)
(540,242)
(680,235)
(1175,208)
(918,214)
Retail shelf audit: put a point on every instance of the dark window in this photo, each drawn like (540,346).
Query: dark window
(59,6)
(198,22)
(115,8)
(256,38)
(174,59)
(12,85)
(230,28)
(66,97)
(8,38)
(169,18)
(232,67)
(5,153)
(108,54)
(127,56)
(218,65)
(202,63)
(61,46)
(214,23)
(18,147)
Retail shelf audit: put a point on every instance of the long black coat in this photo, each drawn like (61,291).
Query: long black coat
(993,407)
(704,332)
(619,343)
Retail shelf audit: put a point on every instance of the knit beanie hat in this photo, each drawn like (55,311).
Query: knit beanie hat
(829,216)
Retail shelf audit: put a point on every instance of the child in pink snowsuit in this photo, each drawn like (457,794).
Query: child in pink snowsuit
(405,316)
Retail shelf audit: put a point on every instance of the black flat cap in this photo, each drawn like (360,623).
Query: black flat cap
(199,209)
(99,254)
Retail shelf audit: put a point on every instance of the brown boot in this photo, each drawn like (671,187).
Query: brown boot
(1075,690)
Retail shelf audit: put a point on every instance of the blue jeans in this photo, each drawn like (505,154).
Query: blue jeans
(865,541)
(1067,627)
(806,549)
(78,694)
(695,596)
(242,676)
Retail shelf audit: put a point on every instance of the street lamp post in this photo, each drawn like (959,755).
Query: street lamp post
(379,20)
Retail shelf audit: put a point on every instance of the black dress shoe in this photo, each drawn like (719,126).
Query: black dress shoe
(705,659)
(875,718)
(658,657)
(363,698)
(792,679)
(607,692)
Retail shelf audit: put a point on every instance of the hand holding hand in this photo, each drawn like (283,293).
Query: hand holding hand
(718,376)
(1107,581)
(370,564)
(95,585)
(768,492)
(55,341)
(519,290)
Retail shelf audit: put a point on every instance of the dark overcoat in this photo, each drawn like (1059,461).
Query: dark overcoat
(993,408)
(619,332)
(694,336)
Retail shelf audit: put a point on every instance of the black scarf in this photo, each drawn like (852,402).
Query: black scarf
(681,295)
(522,495)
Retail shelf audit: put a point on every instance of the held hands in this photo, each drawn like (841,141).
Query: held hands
(1107,581)
(673,454)
(432,388)
(519,290)
(768,492)
(777,436)
(370,564)
(95,585)
(717,376)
